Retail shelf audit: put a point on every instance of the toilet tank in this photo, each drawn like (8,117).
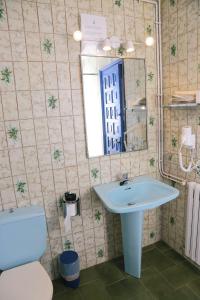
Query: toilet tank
(22,236)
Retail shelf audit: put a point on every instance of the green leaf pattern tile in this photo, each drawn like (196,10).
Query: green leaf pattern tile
(121,50)
(172,220)
(100,253)
(173,50)
(172,2)
(98,216)
(61,201)
(1,13)
(152,162)
(151,120)
(174,142)
(118,2)
(47,46)
(13,133)
(6,75)
(170,157)
(52,102)
(94,173)
(150,76)
(67,245)
(57,154)
(149,29)
(138,82)
(21,186)
(152,235)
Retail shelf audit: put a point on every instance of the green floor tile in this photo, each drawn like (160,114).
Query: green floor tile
(68,294)
(147,248)
(119,263)
(117,291)
(176,257)
(143,296)
(129,288)
(88,275)
(195,286)
(181,274)
(148,273)
(58,286)
(156,259)
(162,246)
(109,273)
(95,290)
(156,284)
(183,293)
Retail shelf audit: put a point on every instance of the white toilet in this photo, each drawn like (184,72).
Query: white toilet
(22,243)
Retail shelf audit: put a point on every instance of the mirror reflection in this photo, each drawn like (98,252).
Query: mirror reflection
(115,104)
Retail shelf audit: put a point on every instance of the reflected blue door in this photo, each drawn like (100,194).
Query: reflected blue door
(112,95)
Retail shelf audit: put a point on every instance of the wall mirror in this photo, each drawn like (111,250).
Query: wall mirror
(114,91)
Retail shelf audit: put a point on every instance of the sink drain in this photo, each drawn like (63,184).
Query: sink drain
(131,203)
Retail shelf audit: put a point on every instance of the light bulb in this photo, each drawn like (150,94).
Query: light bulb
(77,35)
(115,42)
(149,41)
(130,47)
(107,45)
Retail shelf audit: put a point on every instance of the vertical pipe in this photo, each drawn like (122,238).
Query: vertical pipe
(160,95)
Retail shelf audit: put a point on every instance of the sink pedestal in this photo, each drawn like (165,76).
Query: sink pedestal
(132,228)
(130,202)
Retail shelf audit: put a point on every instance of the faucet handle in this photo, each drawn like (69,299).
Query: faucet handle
(125,176)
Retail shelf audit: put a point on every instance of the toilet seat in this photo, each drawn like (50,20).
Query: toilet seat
(26,282)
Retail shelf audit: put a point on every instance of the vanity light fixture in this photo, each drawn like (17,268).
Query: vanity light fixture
(114,42)
(77,35)
(129,47)
(107,45)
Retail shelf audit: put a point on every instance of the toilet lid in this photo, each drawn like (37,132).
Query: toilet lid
(27,282)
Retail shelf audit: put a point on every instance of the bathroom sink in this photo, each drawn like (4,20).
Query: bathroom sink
(130,200)
(137,195)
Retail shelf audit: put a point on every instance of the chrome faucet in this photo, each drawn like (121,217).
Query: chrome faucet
(124,179)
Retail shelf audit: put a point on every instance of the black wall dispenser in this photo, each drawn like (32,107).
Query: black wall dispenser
(71,208)
(71,199)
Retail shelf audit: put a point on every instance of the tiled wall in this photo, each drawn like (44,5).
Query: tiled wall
(181,71)
(42,137)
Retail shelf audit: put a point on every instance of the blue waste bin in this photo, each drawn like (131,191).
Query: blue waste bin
(69,267)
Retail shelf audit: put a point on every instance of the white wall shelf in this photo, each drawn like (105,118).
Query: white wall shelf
(182,106)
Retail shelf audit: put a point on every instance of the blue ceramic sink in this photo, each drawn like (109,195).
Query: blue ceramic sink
(130,201)
(138,195)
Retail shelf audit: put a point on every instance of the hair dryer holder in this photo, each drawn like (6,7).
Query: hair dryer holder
(188,140)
